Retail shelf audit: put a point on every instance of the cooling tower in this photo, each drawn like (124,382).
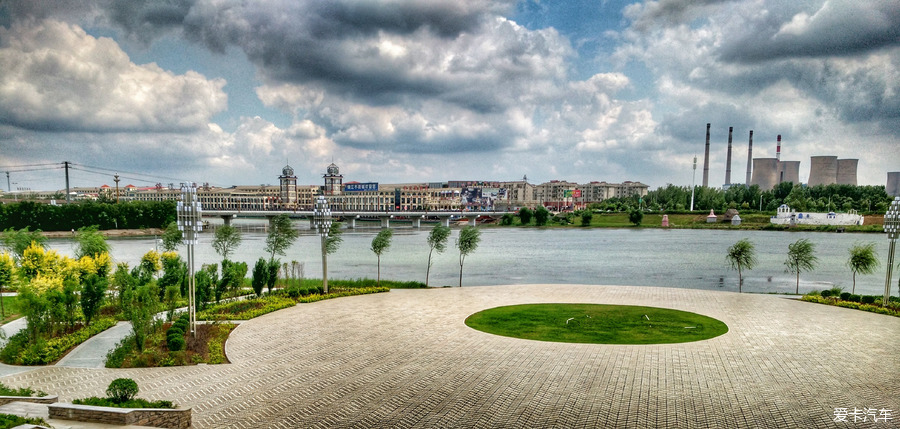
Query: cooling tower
(749,158)
(765,173)
(846,171)
(728,159)
(823,170)
(893,184)
(789,171)
(706,160)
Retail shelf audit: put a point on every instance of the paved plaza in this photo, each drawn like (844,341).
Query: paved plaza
(406,359)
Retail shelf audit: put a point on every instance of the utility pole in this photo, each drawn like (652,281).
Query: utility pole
(8,186)
(116,178)
(66,164)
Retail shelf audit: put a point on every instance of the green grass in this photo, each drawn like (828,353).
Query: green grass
(10,309)
(11,421)
(596,323)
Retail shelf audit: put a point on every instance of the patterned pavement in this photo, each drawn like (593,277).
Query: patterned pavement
(406,359)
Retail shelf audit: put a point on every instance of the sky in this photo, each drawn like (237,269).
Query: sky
(228,92)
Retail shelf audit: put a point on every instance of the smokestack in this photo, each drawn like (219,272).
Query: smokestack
(749,157)
(706,160)
(778,150)
(728,159)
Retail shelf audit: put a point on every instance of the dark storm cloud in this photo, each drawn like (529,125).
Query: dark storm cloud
(690,124)
(838,28)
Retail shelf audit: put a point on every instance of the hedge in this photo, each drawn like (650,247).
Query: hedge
(874,308)
(49,351)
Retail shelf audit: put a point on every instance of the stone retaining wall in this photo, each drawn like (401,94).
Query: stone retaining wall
(49,399)
(156,417)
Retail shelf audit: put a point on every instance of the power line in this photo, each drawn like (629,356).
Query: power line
(28,165)
(155,178)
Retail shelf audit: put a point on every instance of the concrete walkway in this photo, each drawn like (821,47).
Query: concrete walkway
(407,359)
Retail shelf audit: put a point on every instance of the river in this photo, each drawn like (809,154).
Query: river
(684,258)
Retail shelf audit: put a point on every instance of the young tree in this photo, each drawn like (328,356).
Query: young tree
(334,239)
(260,275)
(636,217)
(741,255)
(801,257)
(227,239)
(586,216)
(437,241)
(281,236)
(93,289)
(7,270)
(172,237)
(17,241)
(90,242)
(140,307)
(525,215)
(272,278)
(541,215)
(467,243)
(380,244)
(863,260)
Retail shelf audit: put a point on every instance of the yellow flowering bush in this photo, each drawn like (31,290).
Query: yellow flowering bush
(7,270)
(35,260)
(151,262)
(41,284)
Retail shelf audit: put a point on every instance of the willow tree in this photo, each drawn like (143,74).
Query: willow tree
(801,257)
(437,241)
(466,243)
(380,244)
(863,260)
(741,255)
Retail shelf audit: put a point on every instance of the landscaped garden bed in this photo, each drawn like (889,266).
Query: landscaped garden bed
(23,349)
(121,407)
(870,303)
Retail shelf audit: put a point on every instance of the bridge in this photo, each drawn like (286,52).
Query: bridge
(351,217)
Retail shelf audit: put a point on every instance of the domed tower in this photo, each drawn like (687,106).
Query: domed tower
(333,180)
(288,187)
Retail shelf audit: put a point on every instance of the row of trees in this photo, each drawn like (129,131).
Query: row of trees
(821,198)
(801,257)
(65,217)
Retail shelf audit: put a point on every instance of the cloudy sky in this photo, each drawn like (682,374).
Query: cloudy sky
(229,91)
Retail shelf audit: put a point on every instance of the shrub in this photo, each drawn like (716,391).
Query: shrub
(868,299)
(175,343)
(853,298)
(121,390)
(825,293)
(131,403)
(845,295)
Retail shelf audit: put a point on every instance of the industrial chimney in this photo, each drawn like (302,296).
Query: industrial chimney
(749,157)
(728,159)
(706,160)
(778,149)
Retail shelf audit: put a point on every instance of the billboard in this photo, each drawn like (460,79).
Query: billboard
(360,187)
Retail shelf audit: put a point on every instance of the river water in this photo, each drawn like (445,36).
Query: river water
(644,257)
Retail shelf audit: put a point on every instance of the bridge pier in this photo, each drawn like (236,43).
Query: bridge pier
(351,222)
(417,222)
(445,221)
(227,219)
(386,221)
(473,220)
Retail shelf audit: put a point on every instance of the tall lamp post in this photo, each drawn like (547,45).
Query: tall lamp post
(892,228)
(322,219)
(189,212)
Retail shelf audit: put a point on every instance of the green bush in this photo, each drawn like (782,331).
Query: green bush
(121,390)
(825,293)
(853,298)
(845,295)
(20,351)
(11,421)
(867,299)
(175,343)
(22,391)
(131,403)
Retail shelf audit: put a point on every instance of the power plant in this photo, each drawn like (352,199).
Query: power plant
(767,173)
(829,170)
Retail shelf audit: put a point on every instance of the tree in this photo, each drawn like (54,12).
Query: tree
(334,239)
(525,215)
(90,242)
(281,236)
(140,308)
(380,244)
(172,237)
(93,289)
(801,257)
(260,275)
(636,217)
(7,269)
(467,243)
(227,239)
(741,255)
(437,241)
(17,241)
(863,260)
(586,217)
(541,215)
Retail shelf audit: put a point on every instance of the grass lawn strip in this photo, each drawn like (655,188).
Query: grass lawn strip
(596,324)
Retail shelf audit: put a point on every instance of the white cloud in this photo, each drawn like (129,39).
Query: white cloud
(57,77)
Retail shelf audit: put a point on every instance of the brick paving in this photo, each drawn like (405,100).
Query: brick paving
(406,359)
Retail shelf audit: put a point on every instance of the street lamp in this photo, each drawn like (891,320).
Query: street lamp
(892,228)
(322,220)
(189,212)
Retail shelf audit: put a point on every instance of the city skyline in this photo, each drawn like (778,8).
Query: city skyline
(412,91)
